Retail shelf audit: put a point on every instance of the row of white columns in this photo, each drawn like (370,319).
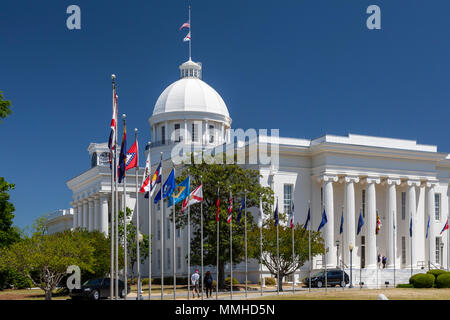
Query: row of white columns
(91,213)
(371,216)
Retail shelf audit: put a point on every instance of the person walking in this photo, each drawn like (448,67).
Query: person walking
(379,260)
(384,260)
(208,282)
(195,279)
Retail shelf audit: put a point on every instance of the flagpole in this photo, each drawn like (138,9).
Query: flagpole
(125,275)
(117,217)
(260,247)
(309,245)
(217,251)
(342,260)
(410,244)
(278,256)
(162,228)
(245,221)
(189,252)
(293,254)
(113,165)
(138,297)
(201,235)
(325,260)
(173,245)
(190,31)
(150,204)
(231,251)
(429,245)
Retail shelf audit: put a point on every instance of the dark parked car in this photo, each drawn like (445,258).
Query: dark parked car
(96,289)
(334,278)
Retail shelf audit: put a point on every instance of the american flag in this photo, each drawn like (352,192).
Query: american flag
(230,209)
(186,25)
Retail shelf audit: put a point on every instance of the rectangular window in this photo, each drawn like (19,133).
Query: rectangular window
(168,258)
(364,203)
(159,259)
(437,206)
(288,198)
(403,205)
(211,134)
(321,200)
(168,228)
(158,227)
(178,257)
(438,249)
(403,250)
(177,132)
(194,132)
(163,135)
(178,233)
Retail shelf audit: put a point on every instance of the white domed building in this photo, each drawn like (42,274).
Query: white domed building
(397,180)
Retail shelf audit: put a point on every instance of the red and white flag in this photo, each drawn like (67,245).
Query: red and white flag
(196,196)
(186,25)
(230,210)
(188,37)
(146,177)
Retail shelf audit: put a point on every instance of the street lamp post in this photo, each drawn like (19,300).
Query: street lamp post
(337,254)
(351,264)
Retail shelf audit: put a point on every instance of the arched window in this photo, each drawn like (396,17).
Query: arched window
(94,160)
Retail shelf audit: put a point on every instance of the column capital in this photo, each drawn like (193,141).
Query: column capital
(327,177)
(391,181)
(412,182)
(431,183)
(371,179)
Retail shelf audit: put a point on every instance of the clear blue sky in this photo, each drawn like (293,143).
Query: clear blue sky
(308,67)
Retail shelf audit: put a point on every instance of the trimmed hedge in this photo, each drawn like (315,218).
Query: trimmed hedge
(235,281)
(405,285)
(436,272)
(269,281)
(422,280)
(443,280)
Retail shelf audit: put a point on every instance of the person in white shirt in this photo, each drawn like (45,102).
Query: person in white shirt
(195,279)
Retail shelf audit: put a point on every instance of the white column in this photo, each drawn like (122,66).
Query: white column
(206,133)
(75,216)
(103,218)
(185,135)
(85,214)
(166,132)
(412,213)
(328,229)
(430,212)
(349,218)
(80,214)
(371,222)
(96,213)
(90,225)
(391,219)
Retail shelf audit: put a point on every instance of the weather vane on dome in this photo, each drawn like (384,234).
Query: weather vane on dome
(188,36)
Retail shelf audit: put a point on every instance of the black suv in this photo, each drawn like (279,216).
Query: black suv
(334,278)
(96,289)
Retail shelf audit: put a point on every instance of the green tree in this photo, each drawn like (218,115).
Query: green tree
(8,233)
(228,177)
(5,107)
(131,241)
(49,256)
(286,265)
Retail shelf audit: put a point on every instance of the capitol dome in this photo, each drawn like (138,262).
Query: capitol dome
(189,111)
(190,93)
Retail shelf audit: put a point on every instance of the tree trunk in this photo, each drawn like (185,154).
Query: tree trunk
(280,284)
(48,294)
(221,275)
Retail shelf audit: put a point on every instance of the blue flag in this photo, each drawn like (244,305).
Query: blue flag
(307,219)
(180,192)
(360,222)
(241,207)
(410,227)
(123,155)
(341,228)
(428,227)
(324,220)
(275,215)
(168,187)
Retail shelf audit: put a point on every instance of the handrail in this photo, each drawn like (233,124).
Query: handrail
(343,264)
